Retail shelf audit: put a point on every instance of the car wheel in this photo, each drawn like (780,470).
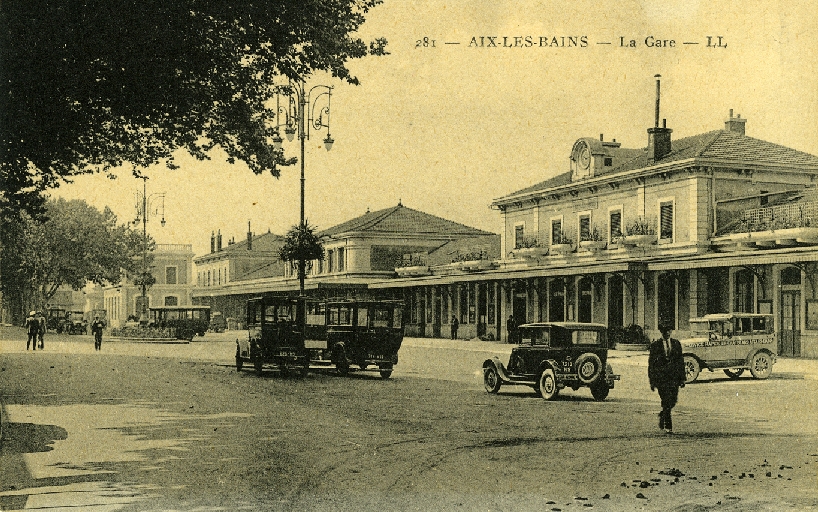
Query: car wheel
(762,365)
(733,373)
(491,379)
(692,369)
(386,373)
(548,384)
(257,364)
(600,391)
(285,371)
(589,368)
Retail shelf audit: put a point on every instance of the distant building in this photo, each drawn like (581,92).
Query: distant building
(358,252)
(173,270)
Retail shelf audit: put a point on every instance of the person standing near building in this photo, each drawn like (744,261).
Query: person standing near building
(666,372)
(455,325)
(41,332)
(32,329)
(96,329)
(511,327)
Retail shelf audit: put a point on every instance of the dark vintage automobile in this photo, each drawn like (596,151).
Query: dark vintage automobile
(554,355)
(75,323)
(286,334)
(364,333)
(183,322)
(276,335)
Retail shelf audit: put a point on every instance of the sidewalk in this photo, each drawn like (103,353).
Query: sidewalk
(807,367)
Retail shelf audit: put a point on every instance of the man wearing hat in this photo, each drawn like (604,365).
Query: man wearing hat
(666,372)
(33,329)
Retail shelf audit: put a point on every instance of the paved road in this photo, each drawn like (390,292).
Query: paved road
(158,427)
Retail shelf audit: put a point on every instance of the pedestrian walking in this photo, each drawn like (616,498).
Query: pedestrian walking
(666,372)
(32,329)
(455,325)
(41,332)
(96,329)
(511,327)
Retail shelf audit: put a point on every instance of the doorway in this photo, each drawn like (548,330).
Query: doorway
(789,333)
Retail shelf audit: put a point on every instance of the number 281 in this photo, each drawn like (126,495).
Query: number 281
(426,42)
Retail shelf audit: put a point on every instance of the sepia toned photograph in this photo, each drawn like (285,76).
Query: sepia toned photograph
(391,255)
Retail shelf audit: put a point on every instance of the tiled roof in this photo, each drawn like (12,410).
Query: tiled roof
(266,269)
(402,220)
(717,144)
(488,246)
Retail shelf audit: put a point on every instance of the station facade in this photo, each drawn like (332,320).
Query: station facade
(717,222)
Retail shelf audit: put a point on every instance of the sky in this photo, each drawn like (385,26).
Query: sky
(449,126)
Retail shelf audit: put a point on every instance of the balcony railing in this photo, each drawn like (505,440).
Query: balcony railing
(783,216)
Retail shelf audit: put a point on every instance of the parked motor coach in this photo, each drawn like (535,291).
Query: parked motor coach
(276,328)
(732,342)
(184,321)
(364,333)
(295,334)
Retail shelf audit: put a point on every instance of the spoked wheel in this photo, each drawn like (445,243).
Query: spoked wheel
(733,373)
(548,384)
(762,365)
(491,379)
(692,369)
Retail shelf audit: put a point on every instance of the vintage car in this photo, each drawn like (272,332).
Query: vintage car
(732,342)
(75,323)
(554,355)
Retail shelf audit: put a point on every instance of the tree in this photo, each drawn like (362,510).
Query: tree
(87,86)
(301,244)
(74,245)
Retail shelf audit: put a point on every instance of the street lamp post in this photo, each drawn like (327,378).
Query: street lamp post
(143,203)
(304,109)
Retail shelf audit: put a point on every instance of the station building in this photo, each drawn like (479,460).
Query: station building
(716,222)
(712,223)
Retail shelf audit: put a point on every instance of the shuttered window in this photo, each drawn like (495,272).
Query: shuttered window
(556,231)
(616,224)
(584,228)
(519,232)
(666,221)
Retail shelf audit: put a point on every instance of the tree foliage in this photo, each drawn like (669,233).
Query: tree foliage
(87,86)
(302,244)
(75,244)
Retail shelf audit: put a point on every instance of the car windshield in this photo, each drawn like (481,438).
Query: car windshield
(534,337)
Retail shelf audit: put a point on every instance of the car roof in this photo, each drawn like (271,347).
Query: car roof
(567,325)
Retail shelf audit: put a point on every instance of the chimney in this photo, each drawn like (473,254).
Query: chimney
(219,241)
(212,242)
(658,138)
(735,124)
(249,237)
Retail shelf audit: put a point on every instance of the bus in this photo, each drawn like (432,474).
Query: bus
(277,335)
(184,322)
(286,334)
(364,333)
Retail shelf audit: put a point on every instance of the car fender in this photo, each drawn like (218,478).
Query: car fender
(702,363)
(550,364)
(498,365)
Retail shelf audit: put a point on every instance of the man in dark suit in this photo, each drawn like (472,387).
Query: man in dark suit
(666,372)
